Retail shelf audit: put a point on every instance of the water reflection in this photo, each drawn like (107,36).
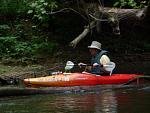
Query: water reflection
(96,103)
(104,101)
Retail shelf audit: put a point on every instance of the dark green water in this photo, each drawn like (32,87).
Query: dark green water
(104,101)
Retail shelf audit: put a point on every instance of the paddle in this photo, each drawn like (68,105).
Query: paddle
(69,65)
(108,67)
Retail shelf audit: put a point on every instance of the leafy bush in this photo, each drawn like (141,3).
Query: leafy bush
(7,45)
(12,7)
(4,29)
(40,9)
(11,47)
(129,3)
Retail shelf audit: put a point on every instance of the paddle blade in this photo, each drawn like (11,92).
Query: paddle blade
(69,65)
(110,67)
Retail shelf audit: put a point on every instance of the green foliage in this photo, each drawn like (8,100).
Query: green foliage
(4,29)
(22,41)
(12,7)
(40,9)
(11,47)
(7,45)
(129,3)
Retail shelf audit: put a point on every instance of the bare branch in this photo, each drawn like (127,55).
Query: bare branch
(62,10)
(83,34)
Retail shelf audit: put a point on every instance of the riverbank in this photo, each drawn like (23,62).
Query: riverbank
(127,63)
(57,62)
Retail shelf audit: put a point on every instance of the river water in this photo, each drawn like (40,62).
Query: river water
(110,100)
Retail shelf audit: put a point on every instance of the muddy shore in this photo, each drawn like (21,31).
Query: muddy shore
(129,63)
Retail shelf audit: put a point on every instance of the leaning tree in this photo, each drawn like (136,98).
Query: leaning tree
(94,13)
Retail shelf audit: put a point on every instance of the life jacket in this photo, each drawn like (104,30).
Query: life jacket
(96,59)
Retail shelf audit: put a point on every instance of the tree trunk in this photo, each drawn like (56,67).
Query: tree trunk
(83,34)
(113,16)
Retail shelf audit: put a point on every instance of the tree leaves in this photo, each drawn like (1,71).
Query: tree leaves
(39,9)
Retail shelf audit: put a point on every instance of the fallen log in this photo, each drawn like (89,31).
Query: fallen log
(113,17)
(83,34)
(16,91)
(25,91)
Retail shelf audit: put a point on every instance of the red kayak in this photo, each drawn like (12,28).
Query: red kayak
(79,79)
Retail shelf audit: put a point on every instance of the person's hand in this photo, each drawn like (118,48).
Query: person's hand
(81,64)
(96,64)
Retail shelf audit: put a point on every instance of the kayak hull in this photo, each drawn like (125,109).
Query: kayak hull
(78,79)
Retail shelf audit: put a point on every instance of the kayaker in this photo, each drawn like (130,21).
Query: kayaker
(98,60)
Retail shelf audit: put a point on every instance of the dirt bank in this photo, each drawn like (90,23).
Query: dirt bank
(127,63)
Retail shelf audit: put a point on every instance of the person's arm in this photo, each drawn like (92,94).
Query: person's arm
(87,68)
(104,60)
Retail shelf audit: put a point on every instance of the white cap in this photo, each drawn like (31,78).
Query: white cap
(95,45)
